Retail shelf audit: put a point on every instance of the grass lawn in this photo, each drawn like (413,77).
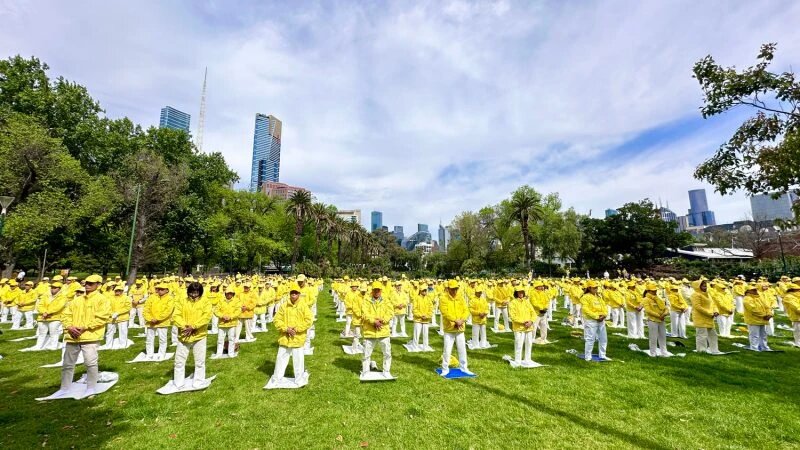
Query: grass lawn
(745,400)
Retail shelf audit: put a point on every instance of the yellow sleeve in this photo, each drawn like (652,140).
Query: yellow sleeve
(102,314)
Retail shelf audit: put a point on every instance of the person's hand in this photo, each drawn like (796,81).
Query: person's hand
(226,319)
(482,315)
(601,319)
(74,332)
(188,331)
(424,318)
(134,303)
(542,312)
(459,324)
(768,317)
(663,316)
(716,314)
(153,322)
(639,308)
(291,332)
(378,324)
(244,308)
(45,315)
(527,324)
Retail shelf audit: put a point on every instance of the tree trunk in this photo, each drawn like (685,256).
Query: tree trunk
(298,231)
(526,243)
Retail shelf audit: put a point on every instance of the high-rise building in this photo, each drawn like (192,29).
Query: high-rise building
(611,212)
(683,223)
(266,165)
(376,220)
(175,119)
(699,215)
(398,233)
(667,215)
(422,227)
(350,215)
(442,238)
(280,190)
(765,208)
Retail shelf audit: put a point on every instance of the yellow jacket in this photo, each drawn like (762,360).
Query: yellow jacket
(500,296)
(477,306)
(53,306)
(756,309)
(399,302)
(262,300)
(613,298)
(676,302)
(11,295)
(137,294)
(231,309)
(297,316)
(655,307)
(158,309)
(90,312)
(633,301)
(539,300)
(27,300)
(248,304)
(372,310)
(520,310)
(195,314)
(213,297)
(423,308)
(121,306)
(350,300)
(453,309)
(593,306)
(791,303)
(703,308)
(723,299)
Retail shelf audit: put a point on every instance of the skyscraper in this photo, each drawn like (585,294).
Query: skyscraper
(699,215)
(266,164)
(175,119)
(442,238)
(765,208)
(398,233)
(377,220)
(422,227)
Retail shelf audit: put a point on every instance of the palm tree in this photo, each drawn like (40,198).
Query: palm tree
(526,206)
(299,206)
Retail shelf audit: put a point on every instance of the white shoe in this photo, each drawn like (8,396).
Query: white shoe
(445,372)
(89,392)
(466,371)
(605,358)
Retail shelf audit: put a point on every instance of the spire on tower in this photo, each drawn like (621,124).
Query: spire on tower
(201,121)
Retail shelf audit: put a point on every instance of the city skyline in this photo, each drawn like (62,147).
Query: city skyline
(266,161)
(445,83)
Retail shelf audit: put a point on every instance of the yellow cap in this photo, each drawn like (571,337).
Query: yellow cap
(301,277)
(294,287)
(377,285)
(452,284)
(94,279)
(56,284)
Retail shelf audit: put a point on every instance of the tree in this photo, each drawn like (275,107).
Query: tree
(299,207)
(526,208)
(763,155)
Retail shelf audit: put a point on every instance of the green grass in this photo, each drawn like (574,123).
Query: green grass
(746,400)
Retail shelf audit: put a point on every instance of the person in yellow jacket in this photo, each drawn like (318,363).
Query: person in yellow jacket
(616,300)
(376,312)
(594,324)
(349,299)
(262,301)
(479,309)
(656,310)
(791,304)
(228,311)
(158,316)
(214,296)
(5,299)
(51,310)
(423,313)
(191,315)
(293,319)
(634,306)
(502,296)
(540,301)
(678,310)
(138,295)
(523,320)
(400,301)
(120,313)
(771,297)
(454,322)
(26,303)
(84,320)
(249,299)
(725,307)
(704,311)
(757,312)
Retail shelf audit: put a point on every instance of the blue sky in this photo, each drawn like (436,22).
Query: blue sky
(425,109)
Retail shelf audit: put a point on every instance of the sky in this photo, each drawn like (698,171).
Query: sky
(423,110)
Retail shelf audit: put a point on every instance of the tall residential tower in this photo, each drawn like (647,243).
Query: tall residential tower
(175,119)
(266,151)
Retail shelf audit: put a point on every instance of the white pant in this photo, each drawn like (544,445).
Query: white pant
(706,340)
(461,349)
(4,312)
(230,334)
(386,348)
(214,324)
(348,322)
(111,329)
(401,321)
(677,324)
(248,329)
(48,334)
(16,317)
(522,339)
(422,329)
(174,334)
(198,349)
(149,342)
(567,303)
(739,300)
(618,317)
(635,324)
(501,312)
(479,338)
(282,361)
(796,326)
(658,338)
(724,324)
(28,315)
(134,313)
(758,337)
(594,331)
(71,352)
(261,321)
(540,325)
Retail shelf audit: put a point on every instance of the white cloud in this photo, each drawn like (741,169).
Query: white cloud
(377,101)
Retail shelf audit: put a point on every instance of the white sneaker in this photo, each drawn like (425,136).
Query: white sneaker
(445,372)
(466,371)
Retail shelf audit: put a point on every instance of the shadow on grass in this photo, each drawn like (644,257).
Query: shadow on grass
(632,439)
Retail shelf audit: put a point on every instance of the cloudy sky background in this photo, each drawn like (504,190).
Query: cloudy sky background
(425,109)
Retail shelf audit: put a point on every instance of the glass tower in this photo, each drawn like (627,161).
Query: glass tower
(377,220)
(266,164)
(699,215)
(175,119)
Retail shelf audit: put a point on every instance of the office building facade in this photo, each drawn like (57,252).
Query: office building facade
(398,233)
(766,208)
(350,215)
(266,163)
(699,214)
(376,220)
(279,190)
(174,119)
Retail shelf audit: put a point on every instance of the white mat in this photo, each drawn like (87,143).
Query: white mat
(417,348)
(223,356)
(626,336)
(308,351)
(346,336)
(42,349)
(26,338)
(500,331)
(142,357)
(116,345)
(188,386)
(258,330)
(376,376)
(287,383)
(77,391)
(352,351)
(246,341)
(78,362)
(747,347)
(523,364)
(636,348)
(541,342)
(343,319)
(398,335)
(471,346)
(790,343)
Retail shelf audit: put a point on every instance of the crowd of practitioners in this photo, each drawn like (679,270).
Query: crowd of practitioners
(91,314)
